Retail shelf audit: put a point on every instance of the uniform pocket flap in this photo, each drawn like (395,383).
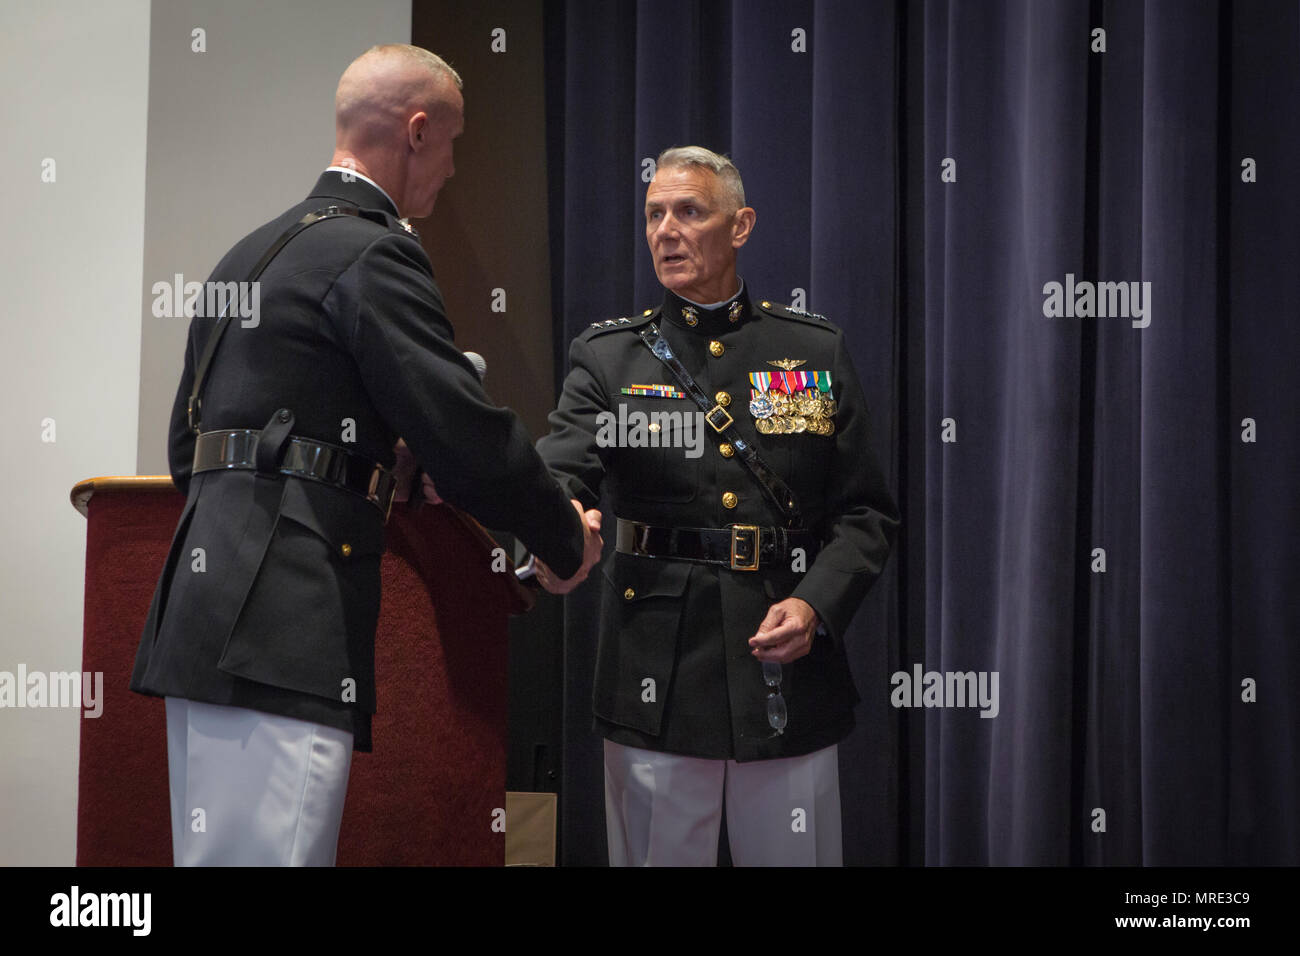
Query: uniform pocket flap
(637,578)
(338,516)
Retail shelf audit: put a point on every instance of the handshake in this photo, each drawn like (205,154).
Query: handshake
(592,543)
(591,546)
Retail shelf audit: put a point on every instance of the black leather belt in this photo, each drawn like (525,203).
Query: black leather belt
(303,458)
(741,547)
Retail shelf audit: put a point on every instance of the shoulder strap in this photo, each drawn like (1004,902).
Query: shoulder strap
(195,407)
(777,491)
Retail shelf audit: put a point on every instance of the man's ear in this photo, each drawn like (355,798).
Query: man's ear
(417,127)
(742,225)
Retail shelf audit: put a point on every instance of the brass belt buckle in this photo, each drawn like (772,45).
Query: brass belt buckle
(744,558)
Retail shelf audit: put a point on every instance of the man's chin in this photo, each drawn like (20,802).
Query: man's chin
(424,211)
(674,279)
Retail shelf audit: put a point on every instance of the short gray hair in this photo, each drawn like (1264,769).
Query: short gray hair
(418,54)
(728,175)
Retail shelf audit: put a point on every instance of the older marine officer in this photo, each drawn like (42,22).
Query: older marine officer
(721,675)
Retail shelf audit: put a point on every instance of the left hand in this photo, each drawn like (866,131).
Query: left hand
(428,490)
(403,471)
(786,633)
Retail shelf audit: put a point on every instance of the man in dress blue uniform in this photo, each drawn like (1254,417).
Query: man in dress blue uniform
(733,439)
(261,633)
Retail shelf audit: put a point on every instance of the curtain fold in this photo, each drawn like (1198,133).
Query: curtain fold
(1082,516)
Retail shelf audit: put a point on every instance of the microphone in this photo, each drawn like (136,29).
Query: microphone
(479,363)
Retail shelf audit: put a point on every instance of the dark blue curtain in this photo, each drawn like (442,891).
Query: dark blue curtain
(1087,510)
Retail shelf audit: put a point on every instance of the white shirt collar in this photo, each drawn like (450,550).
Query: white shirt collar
(352,172)
(712,305)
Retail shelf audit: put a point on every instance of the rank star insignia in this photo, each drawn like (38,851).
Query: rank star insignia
(786,363)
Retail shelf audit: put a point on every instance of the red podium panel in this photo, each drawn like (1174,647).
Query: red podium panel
(426,795)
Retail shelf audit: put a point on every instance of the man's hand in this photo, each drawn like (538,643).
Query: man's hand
(428,490)
(404,475)
(786,633)
(592,545)
(403,472)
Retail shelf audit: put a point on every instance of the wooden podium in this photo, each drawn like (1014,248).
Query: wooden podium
(432,789)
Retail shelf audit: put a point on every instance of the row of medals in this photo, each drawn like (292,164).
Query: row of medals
(777,413)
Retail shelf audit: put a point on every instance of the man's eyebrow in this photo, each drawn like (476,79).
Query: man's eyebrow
(688,200)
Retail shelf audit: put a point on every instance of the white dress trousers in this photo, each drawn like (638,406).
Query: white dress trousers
(254,789)
(664,809)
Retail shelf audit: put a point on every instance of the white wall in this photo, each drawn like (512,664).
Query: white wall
(164,157)
(75,76)
(237,134)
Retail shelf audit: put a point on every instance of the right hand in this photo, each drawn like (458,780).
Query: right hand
(592,544)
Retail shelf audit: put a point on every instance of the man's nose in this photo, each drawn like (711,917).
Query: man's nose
(667,227)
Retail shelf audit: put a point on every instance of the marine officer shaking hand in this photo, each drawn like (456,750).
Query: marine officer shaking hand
(282,439)
(752,517)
